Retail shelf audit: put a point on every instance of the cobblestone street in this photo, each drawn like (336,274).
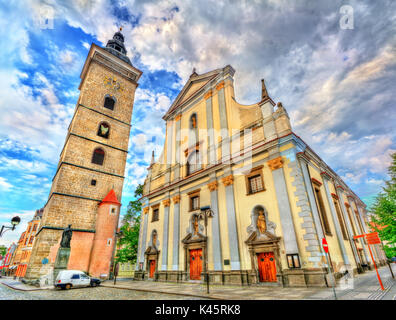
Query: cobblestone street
(98,293)
(362,287)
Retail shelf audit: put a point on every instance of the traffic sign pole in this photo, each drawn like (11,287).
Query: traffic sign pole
(326,250)
(375,266)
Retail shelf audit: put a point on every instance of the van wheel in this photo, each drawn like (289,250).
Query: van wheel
(68,286)
(93,284)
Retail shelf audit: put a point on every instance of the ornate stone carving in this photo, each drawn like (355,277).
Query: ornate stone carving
(178,117)
(275,163)
(220,86)
(228,180)
(145,210)
(213,186)
(208,95)
(166,203)
(176,199)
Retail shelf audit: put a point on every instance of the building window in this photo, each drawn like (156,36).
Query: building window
(255,181)
(98,156)
(35,227)
(26,240)
(109,241)
(194,203)
(29,229)
(103,130)
(155,216)
(93,182)
(341,220)
(322,212)
(293,261)
(359,222)
(193,162)
(109,102)
(348,209)
(31,240)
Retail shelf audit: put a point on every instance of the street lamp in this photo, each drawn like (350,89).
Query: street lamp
(206,213)
(14,222)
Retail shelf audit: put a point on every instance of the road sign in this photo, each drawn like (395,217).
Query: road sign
(325,245)
(373,238)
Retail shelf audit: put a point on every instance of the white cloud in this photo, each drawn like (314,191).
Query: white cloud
(4,185)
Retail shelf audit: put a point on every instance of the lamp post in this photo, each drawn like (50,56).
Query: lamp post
(206,213)
(14,222)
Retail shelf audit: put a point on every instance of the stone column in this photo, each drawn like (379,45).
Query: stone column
(348,225)
(231,220)
(358,227)
(176,232)
(340,238)
(211,158)
(144,236)
(286,219)
(169,150)
(216,247)
(312,202)
(225,139)
(177,147)
(164,266)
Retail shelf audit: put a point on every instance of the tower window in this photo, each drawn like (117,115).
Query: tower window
(104,130)
(93,182)
(193,163)
(109,103)
(155,216)
(98,156)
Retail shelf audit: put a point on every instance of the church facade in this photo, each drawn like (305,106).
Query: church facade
(88,182)
(271,199)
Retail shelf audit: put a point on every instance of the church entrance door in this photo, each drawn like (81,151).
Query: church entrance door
(152,268)
(266,266)
(195,264)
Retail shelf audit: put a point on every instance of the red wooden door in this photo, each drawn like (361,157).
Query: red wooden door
(195,264)
(152,268)
(266,266)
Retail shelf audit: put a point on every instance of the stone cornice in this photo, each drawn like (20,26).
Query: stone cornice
(324,174)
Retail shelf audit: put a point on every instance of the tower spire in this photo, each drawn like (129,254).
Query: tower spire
(264,93)
(116,46)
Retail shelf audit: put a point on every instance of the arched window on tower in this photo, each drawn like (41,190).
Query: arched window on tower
(98,156)
(109,102)
(193,133)
(103,130)
(193,162)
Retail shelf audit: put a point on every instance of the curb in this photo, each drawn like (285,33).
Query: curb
(163,292)
(20,289)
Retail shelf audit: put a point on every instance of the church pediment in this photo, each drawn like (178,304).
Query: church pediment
(192,87)
(261,238)
(193,238)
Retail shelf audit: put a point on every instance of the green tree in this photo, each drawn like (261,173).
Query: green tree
(128,242)
(384,212)
(3,250)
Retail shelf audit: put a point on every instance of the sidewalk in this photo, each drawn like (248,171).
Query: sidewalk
(363,287)
(17,285)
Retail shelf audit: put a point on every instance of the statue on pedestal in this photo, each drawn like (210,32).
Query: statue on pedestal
(66,237)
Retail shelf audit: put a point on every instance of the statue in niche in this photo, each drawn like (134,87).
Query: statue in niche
(261,222)
(154,239)
(66,237)
(196,225)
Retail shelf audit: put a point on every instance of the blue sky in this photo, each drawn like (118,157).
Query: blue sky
(337,84)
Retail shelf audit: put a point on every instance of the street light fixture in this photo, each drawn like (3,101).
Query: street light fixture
(206,213)
(14,222)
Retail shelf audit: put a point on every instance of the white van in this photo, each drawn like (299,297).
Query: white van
(67,279)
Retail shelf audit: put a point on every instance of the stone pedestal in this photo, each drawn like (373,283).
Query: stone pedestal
(62,259)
